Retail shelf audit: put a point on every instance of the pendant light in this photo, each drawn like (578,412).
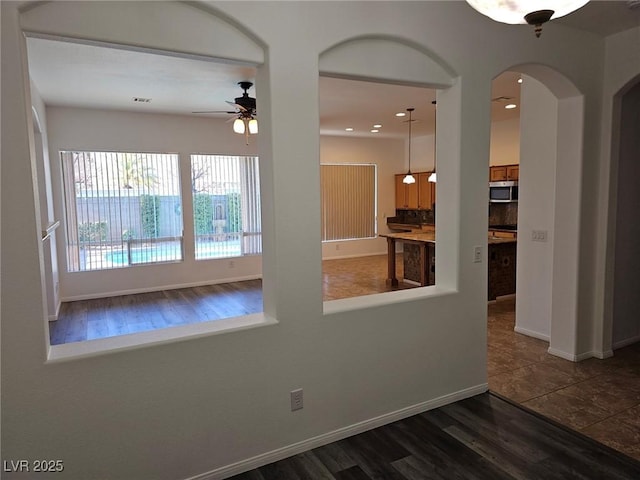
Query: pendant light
(409,178)
(533,12)
(432,177)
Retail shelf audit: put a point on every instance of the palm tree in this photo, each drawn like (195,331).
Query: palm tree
(134,172)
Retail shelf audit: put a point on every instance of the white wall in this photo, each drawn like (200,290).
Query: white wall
(505,142)
(536,205)
(388,155)
(179,409)
(90,130)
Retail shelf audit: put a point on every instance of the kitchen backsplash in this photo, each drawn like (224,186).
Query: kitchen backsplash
(503,213)
(415,216)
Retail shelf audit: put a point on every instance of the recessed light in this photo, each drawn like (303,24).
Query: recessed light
(374,130)
(510,106)
(520,80)
(349,129)
(377,125)
(400,114)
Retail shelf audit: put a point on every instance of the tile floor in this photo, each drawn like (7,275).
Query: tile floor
(599,398)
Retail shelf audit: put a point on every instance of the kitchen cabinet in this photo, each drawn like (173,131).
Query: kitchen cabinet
(426,191)
(406,194)
(503,173)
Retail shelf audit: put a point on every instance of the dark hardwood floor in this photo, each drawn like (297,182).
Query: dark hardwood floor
(483,437)
(108,317)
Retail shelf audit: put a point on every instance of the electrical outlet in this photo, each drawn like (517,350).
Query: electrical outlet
(231,264)
(477,254)
(296,400)
(337,246)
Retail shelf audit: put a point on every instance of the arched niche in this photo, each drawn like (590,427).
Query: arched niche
(553,131)
(385,59)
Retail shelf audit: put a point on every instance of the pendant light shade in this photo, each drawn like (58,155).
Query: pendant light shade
(409,178)
(533,12)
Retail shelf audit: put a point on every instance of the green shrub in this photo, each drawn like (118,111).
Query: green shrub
(150,215)
(92,232)
(234,212)
(203,213)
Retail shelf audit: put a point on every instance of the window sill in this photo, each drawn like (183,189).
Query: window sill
(102,346)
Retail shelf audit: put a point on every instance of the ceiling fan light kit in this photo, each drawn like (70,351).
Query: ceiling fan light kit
(533,12)
(245,123)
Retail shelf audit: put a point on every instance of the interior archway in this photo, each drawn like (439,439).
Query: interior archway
(625,324)
(551,131)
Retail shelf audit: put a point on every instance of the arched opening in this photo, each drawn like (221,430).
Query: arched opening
(364,126)
(145,125)
(551,125)
(625,327)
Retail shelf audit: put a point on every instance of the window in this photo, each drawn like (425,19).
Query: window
(122,209)
(226,206)
(348,201)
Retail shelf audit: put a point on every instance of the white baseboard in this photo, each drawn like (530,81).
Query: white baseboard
(625,342)
(561,354)
(531,333)
(580,356)
(54,317)
(323,439)
(158,288)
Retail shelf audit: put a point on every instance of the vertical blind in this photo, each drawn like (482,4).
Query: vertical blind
(121,209)
(348,201)
(227,209)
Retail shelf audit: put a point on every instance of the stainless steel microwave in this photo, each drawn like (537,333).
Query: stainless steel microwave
(502,192)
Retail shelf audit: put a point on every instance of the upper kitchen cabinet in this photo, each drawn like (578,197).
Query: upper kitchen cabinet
(426,191)
(503,173)
(406,194)
(420,195)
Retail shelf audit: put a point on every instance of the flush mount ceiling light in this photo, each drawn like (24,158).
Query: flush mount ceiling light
(409,178)
(533,12)
(510,106)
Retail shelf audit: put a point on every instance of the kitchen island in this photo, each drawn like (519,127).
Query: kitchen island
(419,261)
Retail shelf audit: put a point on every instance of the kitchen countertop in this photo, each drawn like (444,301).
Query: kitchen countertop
(430,237)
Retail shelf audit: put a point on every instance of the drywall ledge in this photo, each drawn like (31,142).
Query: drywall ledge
(103,346)
(387,298)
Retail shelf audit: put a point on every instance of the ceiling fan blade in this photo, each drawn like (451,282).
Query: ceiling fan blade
(239,107)
(214,111)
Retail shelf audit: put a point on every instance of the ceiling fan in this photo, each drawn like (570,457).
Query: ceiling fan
(245,122)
